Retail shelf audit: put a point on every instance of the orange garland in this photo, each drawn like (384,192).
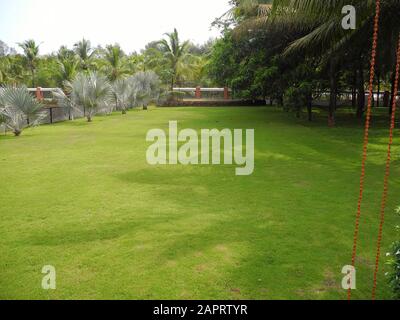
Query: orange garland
(366,133)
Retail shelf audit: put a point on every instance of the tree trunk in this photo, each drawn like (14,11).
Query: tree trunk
(354,90)
(392,93)
(361,92)
(173,80)
(89,118)
(379,91)
(298,112)
(33,78)
(333,94)
(280,100)
(145,107)
(309,107)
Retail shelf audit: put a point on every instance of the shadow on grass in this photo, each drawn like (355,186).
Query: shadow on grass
(77,234)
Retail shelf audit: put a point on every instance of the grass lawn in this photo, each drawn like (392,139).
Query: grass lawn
(81,197)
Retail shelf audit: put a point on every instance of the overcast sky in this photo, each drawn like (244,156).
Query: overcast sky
(131,23)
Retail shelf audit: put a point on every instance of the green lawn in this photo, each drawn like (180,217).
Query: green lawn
(81,197)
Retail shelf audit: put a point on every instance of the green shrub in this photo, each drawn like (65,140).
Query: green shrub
(394,262)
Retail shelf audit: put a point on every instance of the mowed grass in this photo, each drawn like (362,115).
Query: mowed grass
(82,198)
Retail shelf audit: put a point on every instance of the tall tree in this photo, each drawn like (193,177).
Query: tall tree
(31,53)
(115,62)
(322,34)
(176,52)
(85,53)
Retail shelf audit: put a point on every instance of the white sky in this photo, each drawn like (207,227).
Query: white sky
(131,23)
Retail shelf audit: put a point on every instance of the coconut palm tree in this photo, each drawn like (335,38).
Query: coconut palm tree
(90,92)
(19,109)
(85,53)
(68,64)
(68,69)
(64,53)
(176,53)
(318,24)
(115,66)
(31,53)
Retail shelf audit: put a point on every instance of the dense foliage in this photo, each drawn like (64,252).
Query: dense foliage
(286,52)
(175,62)
(290,51)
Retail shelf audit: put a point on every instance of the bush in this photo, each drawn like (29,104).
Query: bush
(394,262)
(145,88)
(394,278)
(19,109)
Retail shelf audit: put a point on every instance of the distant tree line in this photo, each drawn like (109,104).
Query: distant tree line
(176,62)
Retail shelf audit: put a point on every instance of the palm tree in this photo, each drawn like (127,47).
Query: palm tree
(68,64)
(65,53)
(85,53)
(19,108)
(64,101)
(321,35)
(67,69)
(115,66)
(145,88)
(122,91)
(176,54)
(3,120)
(31,52)
(90,92)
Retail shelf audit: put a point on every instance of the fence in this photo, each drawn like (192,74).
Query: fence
(348,98)
(42,93)
(204,96)
(204,93)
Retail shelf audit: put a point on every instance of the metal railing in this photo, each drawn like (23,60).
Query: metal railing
(204,93)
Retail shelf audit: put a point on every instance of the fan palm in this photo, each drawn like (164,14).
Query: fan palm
(3,120)
(176,53)
(122,91)
(19,109)
(145,88)
(90,92)
(64,101)
(31,52)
